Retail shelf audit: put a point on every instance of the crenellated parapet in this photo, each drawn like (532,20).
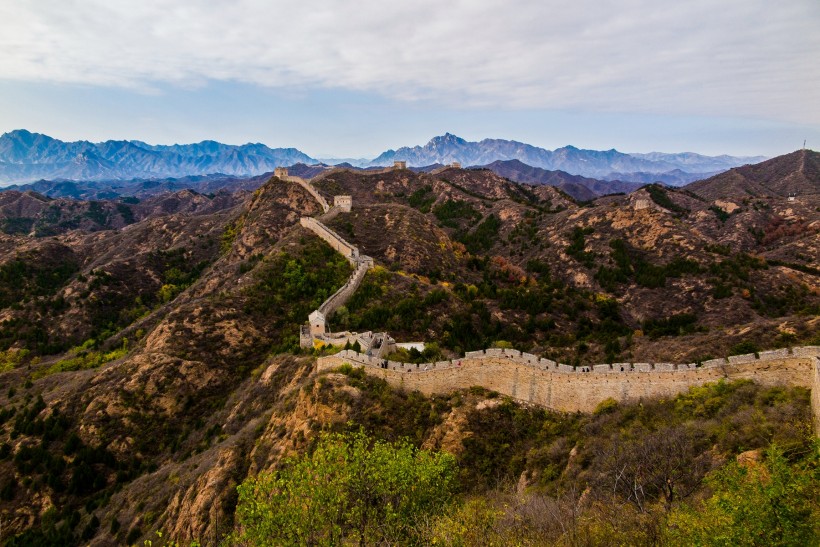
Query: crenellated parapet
(548,365)
(544,382)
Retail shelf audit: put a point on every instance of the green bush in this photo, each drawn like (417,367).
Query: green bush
(659,195)
(776,502)
(348,490)
(422,199)
(676,325)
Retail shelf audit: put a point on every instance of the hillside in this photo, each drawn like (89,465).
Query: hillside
(580,188)
(149,364)
(796,173)
(140,188)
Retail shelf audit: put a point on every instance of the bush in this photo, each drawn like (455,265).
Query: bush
(350,489)
(684,323)
(659,195)
(747,346)
(775,502)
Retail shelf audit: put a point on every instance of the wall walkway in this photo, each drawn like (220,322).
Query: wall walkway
(362,264)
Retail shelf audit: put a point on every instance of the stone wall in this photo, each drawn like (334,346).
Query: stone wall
(535,380)
(361,262)
(332,238)
(346,291)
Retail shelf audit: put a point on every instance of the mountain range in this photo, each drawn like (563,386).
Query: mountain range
(609,164)
(28,157)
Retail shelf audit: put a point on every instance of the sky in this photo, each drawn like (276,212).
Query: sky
(338,78)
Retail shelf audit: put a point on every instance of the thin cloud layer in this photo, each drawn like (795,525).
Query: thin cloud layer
(738,57)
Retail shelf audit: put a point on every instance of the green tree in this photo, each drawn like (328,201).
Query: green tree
(770,503)
(350,489)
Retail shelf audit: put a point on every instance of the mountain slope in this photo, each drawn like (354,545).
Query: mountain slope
(581,188)
(795,173)
(148,369)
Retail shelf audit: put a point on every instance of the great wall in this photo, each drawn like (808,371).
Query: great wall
(523,376)
(531,379)
(316,332)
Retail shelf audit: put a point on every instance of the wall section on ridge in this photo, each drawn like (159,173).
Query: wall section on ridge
(565,389)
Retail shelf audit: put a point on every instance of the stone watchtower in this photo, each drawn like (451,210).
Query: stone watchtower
(399,165)
(456,165)
(281,173)
(318,325)
(344,203)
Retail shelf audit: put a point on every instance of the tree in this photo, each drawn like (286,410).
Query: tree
(770,503)
(350,489)
(666,465)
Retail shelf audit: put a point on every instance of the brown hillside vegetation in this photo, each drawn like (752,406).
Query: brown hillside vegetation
(150,363)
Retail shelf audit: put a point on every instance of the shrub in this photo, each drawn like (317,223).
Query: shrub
(350,489)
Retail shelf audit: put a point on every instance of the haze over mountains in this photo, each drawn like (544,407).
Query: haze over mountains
(28,157)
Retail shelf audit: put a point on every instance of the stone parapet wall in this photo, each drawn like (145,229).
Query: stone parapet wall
(560,387)
(361,262)
(332,238)
(346,291)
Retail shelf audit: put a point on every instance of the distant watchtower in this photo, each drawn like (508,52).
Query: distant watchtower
(281,173)
(344,203)
(456,165)
(399,165)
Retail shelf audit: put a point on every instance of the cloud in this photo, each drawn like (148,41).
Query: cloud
(746,58)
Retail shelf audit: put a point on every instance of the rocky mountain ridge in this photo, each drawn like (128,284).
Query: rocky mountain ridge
(580,188)
(148,368)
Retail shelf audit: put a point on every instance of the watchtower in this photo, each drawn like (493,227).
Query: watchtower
(318,325)
(399,165)
(281,173)
(344,203)
(456,165)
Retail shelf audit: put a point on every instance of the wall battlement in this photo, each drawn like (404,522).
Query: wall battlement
(557,386)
